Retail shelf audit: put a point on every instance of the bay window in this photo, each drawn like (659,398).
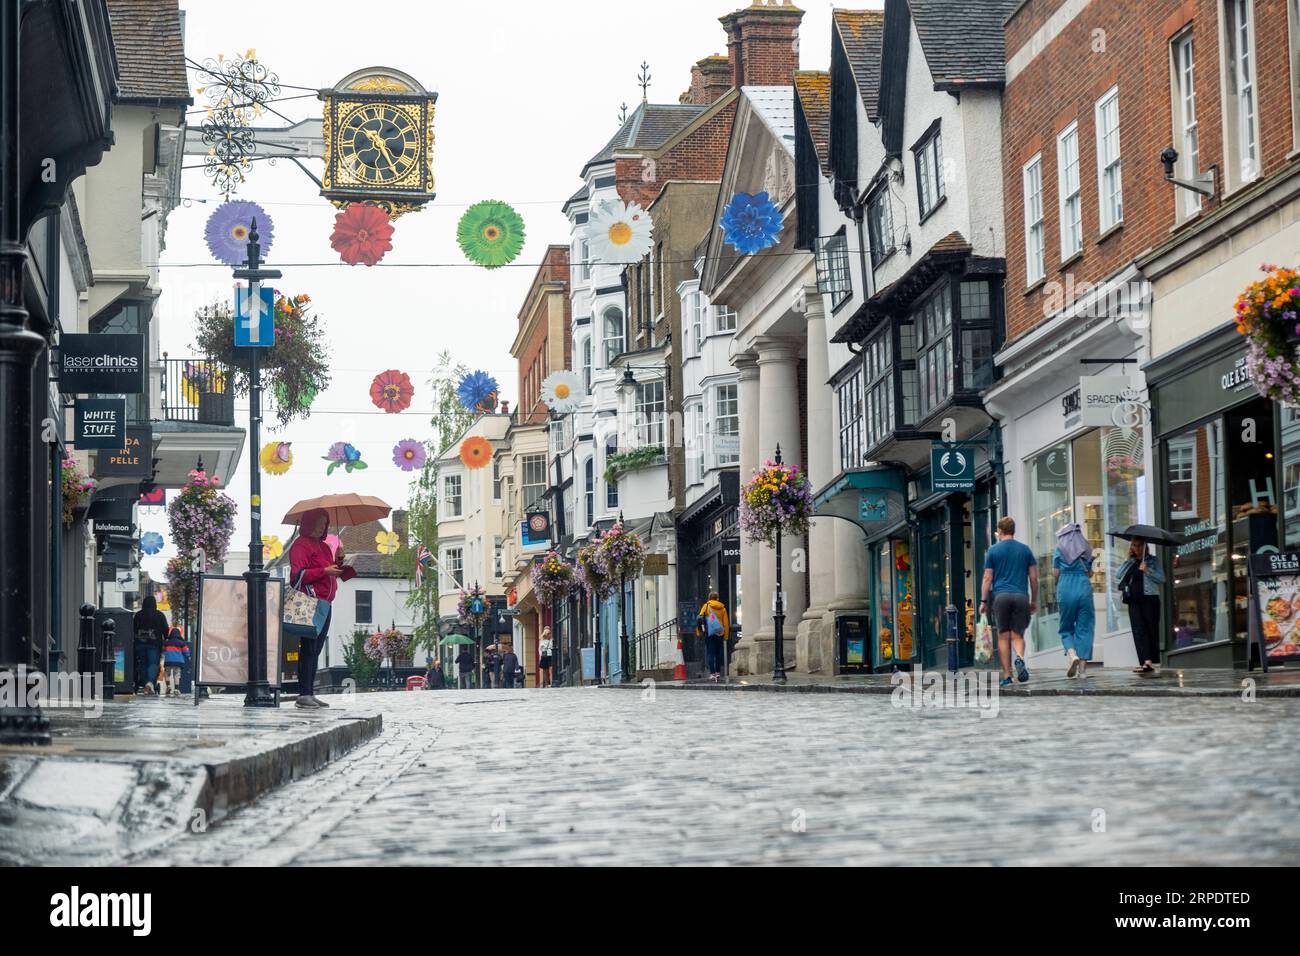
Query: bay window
(850,401)
(726,419)
(933,323)
(878,413)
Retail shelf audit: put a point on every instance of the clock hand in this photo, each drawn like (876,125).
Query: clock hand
(380,144)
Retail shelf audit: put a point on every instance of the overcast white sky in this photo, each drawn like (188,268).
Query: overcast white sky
(527,93)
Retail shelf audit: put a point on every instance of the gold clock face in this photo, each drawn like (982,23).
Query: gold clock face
(378,144)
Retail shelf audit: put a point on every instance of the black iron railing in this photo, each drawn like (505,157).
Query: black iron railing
(198,390)
(647,648)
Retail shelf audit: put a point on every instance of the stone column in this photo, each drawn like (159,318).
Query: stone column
(778,396)
(746,363)
(820,465)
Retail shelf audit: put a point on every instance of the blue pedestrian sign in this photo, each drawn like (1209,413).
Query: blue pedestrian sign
(254,318)
(952,468)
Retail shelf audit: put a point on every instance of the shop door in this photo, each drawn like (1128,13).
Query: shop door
(933,584)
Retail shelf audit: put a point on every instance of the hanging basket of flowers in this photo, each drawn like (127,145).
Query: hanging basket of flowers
(202,519)
(391,644)
(590,571)
(1268,313)
(474,607)
(777,500)
(553,578)
(622,552)
(77,489)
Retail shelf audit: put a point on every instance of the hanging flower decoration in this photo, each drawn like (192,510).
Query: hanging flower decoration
(620,233)
(622,552)
(392,391)
(1268,313)
(77,487)
(272,547)
(562,391)
(276,457)
(303,400)
(228,229)
(490,234)
(751,223)
(343,455)
(590,571)
(362,233)
(202,520)
(553,578)
(390,644)
(151,542)
(777,500)
(409,455)
(477,392)
(473,607)
(476,452)
(182,581)
(387,542)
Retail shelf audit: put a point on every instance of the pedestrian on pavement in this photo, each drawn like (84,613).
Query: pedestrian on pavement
(545,659)
(436,680)
(498,672)
(1072,569)
(1010,586)
(490,667)
(509,666)
(465,667)
(314,569)
(176,651)
(1140,578)
(150,627)
(714,626)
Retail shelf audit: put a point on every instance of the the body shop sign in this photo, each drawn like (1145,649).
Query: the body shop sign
(1100,395)
(107,364)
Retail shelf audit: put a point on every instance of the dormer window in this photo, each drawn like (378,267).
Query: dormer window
(929,172)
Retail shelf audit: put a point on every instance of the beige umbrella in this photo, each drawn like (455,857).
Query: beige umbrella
(346,510)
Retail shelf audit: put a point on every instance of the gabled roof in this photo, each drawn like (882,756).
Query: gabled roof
(813,87)
(650,126)
(774,105)
(150,50)
(862,32)
(964,42)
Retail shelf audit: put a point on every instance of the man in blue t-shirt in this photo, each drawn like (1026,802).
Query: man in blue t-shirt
(1010,584)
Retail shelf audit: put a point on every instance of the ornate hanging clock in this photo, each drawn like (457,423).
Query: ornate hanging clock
(378,130)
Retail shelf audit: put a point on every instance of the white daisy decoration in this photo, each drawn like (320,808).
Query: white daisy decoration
(562,391)
(619,233)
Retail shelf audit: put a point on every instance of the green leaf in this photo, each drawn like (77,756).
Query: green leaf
(333,465)
(359,465)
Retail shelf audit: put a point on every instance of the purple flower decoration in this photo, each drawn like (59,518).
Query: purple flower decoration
(751,223)
(344,455)
(409,455)
(228,228)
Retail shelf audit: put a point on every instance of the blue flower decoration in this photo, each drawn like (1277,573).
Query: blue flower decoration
(345,455)
(151,542)
(478,392)
(228,228)
(751,223)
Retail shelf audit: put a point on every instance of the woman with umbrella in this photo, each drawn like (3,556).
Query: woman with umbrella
(1140,578)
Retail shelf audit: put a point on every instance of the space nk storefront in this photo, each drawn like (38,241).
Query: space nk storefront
(1228,479)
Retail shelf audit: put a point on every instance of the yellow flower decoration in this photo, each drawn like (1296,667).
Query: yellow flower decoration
(387,542)
(276,457)
(272,547)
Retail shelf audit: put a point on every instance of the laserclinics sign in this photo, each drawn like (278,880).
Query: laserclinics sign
(101,364)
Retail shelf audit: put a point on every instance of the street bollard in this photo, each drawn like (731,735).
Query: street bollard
(953,645)
(108,658)
(86,650)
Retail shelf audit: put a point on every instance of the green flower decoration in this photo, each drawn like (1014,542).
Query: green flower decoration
(490,234)
(305,397)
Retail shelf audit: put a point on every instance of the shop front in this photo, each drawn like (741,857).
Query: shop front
(708,555)
(1228,479)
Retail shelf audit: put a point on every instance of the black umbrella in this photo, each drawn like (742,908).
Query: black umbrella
(1152,534)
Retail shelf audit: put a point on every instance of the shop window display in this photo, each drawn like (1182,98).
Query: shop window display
(1200,566)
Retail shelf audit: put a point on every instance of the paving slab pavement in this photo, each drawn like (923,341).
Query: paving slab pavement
(114,785)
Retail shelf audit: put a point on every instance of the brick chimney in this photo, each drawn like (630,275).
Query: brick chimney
(763,43)
(710,79)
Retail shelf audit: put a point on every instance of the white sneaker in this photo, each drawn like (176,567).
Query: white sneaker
(1073,670)
(1083,668)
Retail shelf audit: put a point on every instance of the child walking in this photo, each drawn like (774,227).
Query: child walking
(176,654)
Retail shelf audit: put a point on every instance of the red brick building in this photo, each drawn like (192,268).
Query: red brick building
(543,342)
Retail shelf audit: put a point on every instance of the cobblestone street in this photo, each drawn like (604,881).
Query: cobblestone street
(607,777)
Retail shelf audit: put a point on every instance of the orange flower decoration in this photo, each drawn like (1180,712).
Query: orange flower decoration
(476,452)
(392,391)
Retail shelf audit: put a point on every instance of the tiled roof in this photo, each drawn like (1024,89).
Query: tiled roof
(775,106)
(964,42)
(150,51)
(650,126)
(862,33)
(814,90)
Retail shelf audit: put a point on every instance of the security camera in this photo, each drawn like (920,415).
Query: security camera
(1169,158)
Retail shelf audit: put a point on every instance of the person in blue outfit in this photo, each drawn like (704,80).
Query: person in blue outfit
(1072,569)
(176,652)
(1010,586)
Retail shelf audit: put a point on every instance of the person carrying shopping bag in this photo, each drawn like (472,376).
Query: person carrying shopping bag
(313,569)
(1072,569)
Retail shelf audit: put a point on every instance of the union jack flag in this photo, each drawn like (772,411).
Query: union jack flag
(423,559)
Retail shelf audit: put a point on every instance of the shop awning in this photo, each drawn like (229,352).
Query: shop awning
(873,498)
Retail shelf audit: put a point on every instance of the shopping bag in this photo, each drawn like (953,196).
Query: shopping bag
(304,614)
(984,642)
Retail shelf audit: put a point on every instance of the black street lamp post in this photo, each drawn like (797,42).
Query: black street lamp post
(778,608)
(258,691)
(624,648)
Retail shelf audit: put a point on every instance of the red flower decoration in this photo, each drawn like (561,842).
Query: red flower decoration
(476,452)
(392,391)
(362,233)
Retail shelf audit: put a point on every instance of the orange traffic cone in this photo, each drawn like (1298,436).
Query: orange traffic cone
(679,670)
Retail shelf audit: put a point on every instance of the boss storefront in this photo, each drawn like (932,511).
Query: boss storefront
(1228,478)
